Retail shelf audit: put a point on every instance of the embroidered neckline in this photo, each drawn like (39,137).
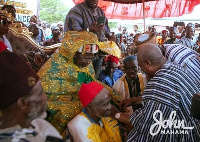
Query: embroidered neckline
(84,111)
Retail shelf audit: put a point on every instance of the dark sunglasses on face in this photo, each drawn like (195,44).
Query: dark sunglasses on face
(4,22)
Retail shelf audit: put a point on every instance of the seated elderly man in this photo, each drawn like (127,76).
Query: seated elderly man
(111,73)
(166,98)
(132,83)
(93,123)
(22,102)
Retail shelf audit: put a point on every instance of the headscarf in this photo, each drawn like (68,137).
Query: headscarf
(60,68)
(74,40)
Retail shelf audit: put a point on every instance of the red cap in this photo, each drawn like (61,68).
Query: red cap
(112,58)
(88,92)
(2,46)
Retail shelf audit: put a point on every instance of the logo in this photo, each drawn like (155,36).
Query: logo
(31,81)
(170,126)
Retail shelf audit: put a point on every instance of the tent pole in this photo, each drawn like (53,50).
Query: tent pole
(144,15)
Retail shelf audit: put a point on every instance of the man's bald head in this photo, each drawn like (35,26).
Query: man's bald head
(149,52)
(150,58)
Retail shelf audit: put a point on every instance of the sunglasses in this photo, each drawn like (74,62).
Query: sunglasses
(4,22)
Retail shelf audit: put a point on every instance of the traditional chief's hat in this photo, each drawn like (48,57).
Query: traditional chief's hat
(16,78)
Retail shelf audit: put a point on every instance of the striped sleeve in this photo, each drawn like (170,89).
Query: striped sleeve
(171,89)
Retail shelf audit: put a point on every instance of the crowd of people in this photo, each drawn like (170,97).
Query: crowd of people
(98,85)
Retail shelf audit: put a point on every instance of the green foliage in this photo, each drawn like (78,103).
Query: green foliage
(112,24)
(53,11)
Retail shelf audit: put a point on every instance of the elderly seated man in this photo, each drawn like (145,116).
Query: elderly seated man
(132,83)
(93,123)
(111,73)
(22,103)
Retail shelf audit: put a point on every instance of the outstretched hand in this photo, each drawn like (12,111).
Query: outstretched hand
(128,102)
(124,104)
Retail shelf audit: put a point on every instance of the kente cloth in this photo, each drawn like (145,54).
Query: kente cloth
(61,79)
(35,59)
(37,132)
(191,43)
(83,129)
(121,87)
(105,78)
(185,57)
(170,41)
(82,17)
(171,89)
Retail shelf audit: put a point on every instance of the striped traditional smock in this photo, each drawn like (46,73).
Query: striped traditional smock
(81,17)
(185,57)
(191,43)
(171,89)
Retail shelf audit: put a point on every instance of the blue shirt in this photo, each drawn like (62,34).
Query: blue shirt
(103,77)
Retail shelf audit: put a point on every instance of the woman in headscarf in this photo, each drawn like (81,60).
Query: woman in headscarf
(63,74)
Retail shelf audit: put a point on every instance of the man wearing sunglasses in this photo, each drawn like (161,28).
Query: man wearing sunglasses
(4,24)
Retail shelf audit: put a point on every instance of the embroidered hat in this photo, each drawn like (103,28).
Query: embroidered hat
(16,78)
(88,92)
(112,58)
(110,47)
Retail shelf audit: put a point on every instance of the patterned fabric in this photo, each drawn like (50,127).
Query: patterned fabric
(110,47)
(35,59)
(171,89)
(59,77)
(189,43)
(170,41)
(185,57)
(37,132)
(160,40)
(81,17)
(103,77)
(122,88)
(83,129)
